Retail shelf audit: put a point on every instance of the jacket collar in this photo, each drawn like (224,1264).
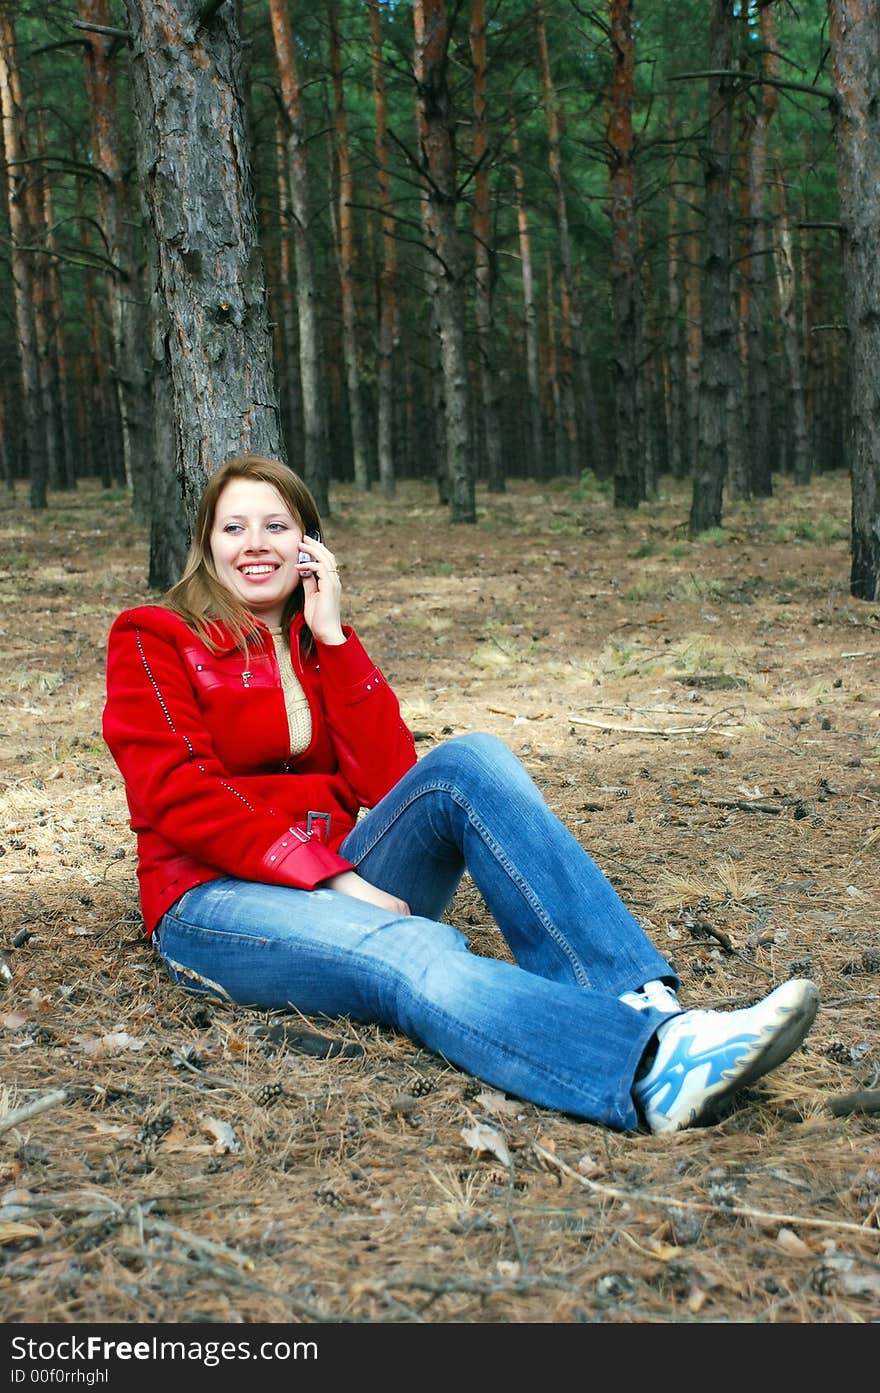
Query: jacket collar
(226,643)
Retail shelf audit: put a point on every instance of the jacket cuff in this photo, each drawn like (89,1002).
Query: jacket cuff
(300,861)
(350,669)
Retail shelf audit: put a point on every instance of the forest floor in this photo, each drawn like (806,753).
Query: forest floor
(703,715)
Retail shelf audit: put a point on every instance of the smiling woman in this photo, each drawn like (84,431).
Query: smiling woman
(252,729)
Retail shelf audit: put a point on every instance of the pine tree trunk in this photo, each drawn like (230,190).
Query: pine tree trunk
(195,170)
(387,329)
(560,442)
(788,321)
(347,265)
(125,294)
(530,310)
(675,417)
(757,365)
(629,482)
(693,318)
(483,256)
(567,333)
(436,432)
(291,396)
(855,51)
(719,340)
(20,258)
(439,166)
(316,462)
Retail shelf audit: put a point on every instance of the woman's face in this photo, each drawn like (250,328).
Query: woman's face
(255,545)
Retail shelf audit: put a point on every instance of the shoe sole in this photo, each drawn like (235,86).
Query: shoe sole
(775,1050)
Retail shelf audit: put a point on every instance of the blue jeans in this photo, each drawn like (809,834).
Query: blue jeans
(550,1029)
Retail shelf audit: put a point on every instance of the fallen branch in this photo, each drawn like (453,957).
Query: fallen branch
(703,926)
(48,1100)
(198,1245)
(646,730)
(738,1211)
(743,805)
(868,1100)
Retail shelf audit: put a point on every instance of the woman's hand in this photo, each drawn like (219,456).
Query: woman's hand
(322,592)
(350,883)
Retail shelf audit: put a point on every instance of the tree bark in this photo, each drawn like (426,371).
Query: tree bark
(674,387)
(125,294)
(791,343)
(757,365)
(719,343)
(347,264)
(387,327)
(43,336)
(60,403)
(291,397)
(626,310)
(438,160)
(195,170)
(20,257)
(530,307)
(484,259)
(316,464)
(855,51)
(568,331)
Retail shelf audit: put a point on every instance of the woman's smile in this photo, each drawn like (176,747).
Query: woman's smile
(255,547)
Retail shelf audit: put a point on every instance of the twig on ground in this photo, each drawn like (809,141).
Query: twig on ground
(231,1274)
(709,726)
(24,1114)
(700,1206)
(200,1245)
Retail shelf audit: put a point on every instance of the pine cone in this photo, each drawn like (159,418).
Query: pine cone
(268,1094)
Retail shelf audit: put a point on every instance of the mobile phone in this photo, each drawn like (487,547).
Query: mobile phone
(316,537)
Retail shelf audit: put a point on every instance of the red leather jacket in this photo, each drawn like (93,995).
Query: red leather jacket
(203,744)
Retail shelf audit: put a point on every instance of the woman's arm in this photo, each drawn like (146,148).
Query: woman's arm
(373,745)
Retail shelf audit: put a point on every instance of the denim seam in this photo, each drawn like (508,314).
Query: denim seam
(525,890)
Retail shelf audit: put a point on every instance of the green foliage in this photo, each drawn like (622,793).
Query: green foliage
(823,530)
(591,486)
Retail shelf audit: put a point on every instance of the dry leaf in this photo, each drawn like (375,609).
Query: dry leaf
(483,1138)
(496,1102)
(112,1043)
(223,1134)
(696,1300)
(178,1139)
(666,1252)
(511,1270)
(789,1241)
(588,1166)
(14,1020)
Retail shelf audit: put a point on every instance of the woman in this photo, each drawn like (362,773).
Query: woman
(251,729)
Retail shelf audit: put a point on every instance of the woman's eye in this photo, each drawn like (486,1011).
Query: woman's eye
(232,527)
(277,526)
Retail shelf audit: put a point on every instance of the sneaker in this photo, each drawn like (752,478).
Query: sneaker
(704,1056)
(655,995)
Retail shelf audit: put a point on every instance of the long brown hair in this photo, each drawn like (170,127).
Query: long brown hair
(200,597)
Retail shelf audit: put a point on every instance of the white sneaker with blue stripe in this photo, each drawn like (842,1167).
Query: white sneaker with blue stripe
(705,1056)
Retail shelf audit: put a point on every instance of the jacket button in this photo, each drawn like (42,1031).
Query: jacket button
(284,843)
(271,858)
